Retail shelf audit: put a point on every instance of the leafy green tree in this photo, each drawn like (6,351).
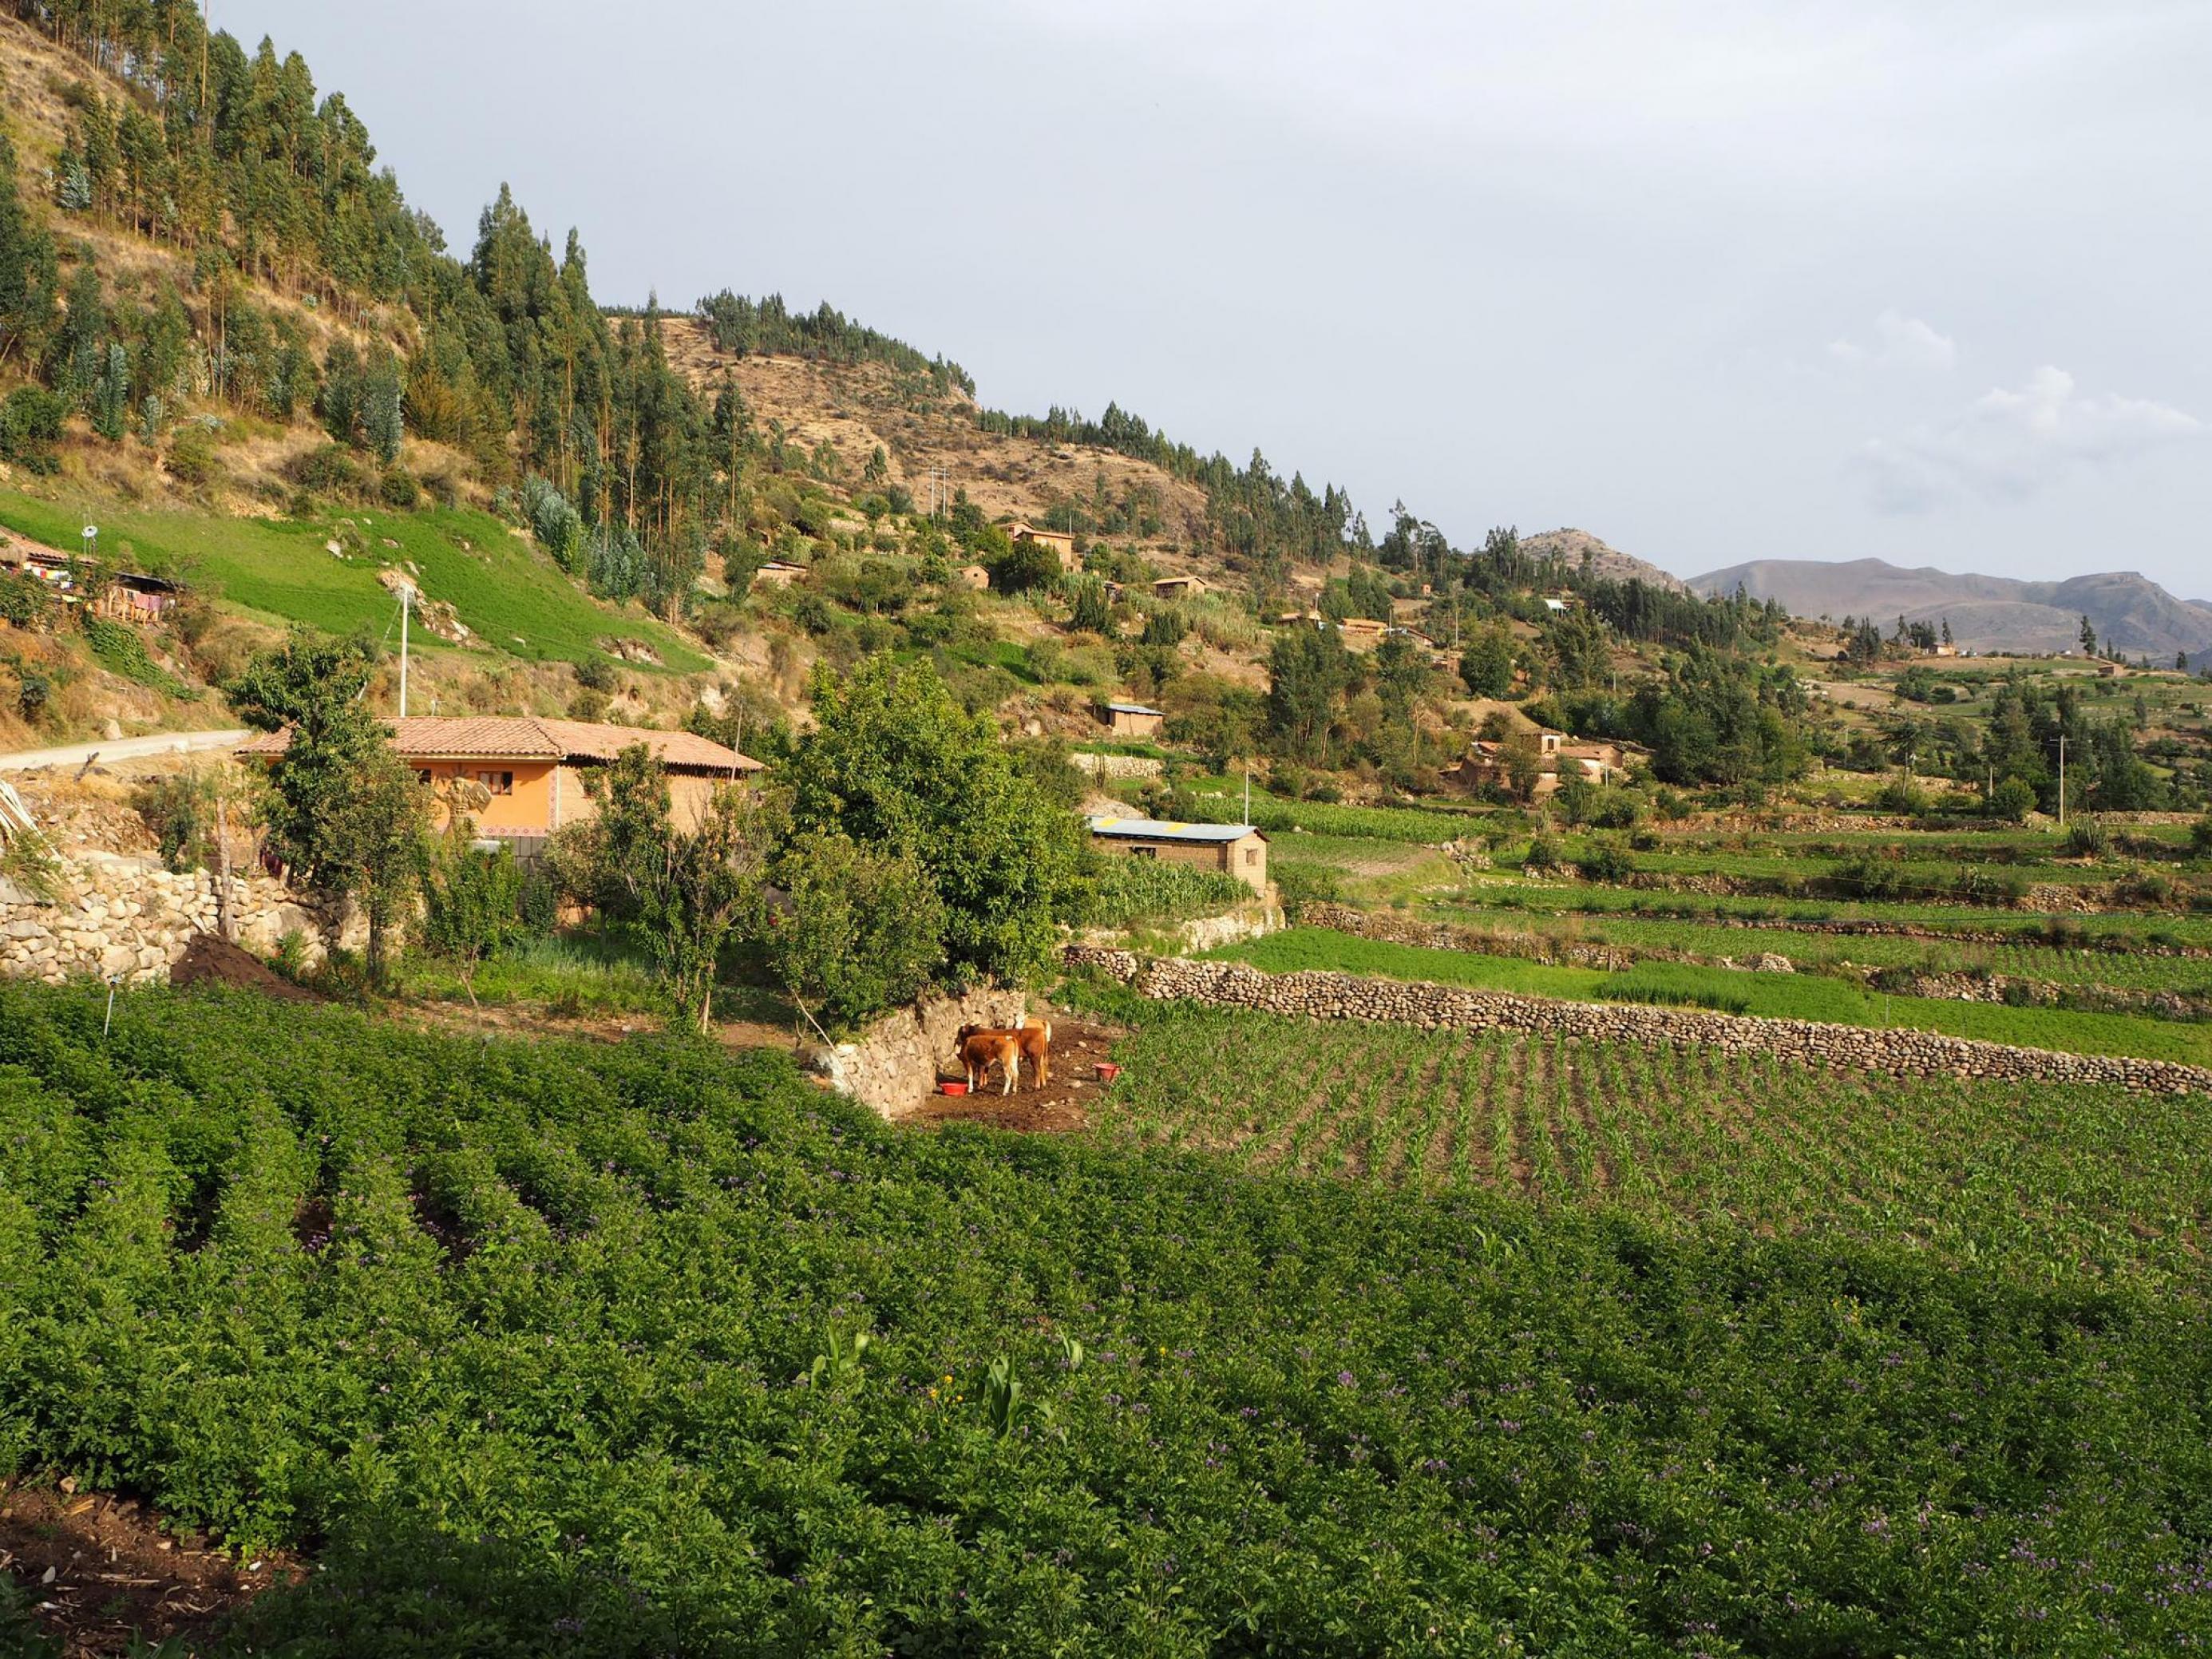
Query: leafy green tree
(1402,674)
(2088,638)
(858,930)
(111,394)
(897,766)
(1092,613)
(317,689)
(28,275)
(1215,715)
(1487,664)
(685,892)
(472,901)
(1579,648)
(2013,800)
(1308,670)
(1017,567)
(377,848)
(383,425)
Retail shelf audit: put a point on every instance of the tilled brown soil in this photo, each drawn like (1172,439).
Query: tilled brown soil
(102,1572)
(1060,1107)
(208,960)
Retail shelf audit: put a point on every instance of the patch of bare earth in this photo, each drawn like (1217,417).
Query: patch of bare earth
(103,1572)
(1059,1106)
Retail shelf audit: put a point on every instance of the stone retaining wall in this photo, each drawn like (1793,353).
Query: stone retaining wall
(1447,936)
(1105,767)
(123,915)
(1321,995)
(894,1065)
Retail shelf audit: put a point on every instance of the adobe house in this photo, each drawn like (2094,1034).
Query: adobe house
(975,576)
(1361,633)
(1061,545)
(778,573)
(1178,587)
(1233,849)
(1134,720)
(535,770)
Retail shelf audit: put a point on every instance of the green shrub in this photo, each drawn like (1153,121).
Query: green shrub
(25,601)
(1604,859)
(2013,800)
(1301,885)
(2086,838)
(121,650)
(330,470)
(858,930)
(398,489)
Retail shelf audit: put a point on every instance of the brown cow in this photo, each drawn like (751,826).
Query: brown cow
(1034,1043)
(981,1049)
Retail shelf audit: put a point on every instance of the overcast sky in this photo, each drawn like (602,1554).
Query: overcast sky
(1929,280)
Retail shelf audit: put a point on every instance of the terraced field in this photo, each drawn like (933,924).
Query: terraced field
(2021,957)
(2051,1182)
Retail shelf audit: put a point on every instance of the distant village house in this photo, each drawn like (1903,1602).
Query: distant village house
(534,770)
(1061,543)
(1134,720)
(1178,587)
(778,573)
(125,596)
(1233,849)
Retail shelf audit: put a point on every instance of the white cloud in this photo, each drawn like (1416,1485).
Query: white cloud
(1901,341)
(2007,444)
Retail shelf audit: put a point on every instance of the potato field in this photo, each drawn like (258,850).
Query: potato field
(544,1349)
(2047,1183)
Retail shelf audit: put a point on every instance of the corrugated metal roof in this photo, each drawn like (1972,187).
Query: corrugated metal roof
(1155,830)
(526,738)
(1136,708)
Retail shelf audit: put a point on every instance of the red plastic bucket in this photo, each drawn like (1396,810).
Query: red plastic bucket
(953,1088)
(1107,1071)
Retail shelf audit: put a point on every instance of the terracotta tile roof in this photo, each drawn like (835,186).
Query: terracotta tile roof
(526,738)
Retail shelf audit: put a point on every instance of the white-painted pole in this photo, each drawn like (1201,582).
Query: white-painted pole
(405,594)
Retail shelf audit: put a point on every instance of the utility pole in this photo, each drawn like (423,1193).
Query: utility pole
(406,593)
(1248,792)
(2062,780)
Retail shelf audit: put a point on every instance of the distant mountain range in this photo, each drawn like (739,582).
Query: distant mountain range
(2131,612)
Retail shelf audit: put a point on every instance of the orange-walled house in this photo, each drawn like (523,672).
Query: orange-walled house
(535,770)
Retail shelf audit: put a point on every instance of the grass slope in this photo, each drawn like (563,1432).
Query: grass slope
(512,599)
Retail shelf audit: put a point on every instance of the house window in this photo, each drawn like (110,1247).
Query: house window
(1144,852)
(500,783)
(422,775)
(1251,856)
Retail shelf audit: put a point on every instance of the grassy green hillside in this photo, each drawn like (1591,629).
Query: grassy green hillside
(281,570)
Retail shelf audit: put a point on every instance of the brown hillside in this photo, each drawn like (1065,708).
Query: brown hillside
(857,406)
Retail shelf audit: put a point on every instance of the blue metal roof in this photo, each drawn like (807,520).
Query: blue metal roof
(1133,708)
(1155,830)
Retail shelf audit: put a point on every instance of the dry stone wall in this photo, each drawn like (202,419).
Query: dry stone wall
(893,1065)
(1323,995)
(1444,936)
(1107,767)
(124,915)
